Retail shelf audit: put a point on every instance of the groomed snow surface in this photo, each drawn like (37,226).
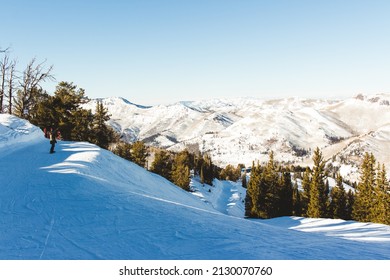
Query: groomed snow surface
(84,202)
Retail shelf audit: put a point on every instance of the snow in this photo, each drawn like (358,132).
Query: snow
(366,232)
(226,197)
(243,130)
(15,131)
(84,202)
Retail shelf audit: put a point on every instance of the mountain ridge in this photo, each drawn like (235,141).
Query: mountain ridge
(243,130)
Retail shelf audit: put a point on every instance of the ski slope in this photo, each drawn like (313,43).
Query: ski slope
(83,202)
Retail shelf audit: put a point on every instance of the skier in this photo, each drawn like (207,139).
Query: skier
(53,141)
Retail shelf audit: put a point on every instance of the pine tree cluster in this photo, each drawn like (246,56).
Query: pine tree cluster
(136,152)
(63,112)
(177,167)
(372,199)
(270,193)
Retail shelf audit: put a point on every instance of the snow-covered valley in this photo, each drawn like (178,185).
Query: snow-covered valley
(243,130)
(84,202)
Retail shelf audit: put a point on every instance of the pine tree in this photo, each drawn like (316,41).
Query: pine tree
(208,169)
(103,134)
(386,195)
(269,190)
(296,200)
(162,164)
(318,195)
(338,204)
(202,174)
(363,205)
(230,173)
(253,193)
(123,150)
(380,210)
(306,182)
(181,170)
(244,180)
(139,153)
(63,112)
(349,205)
(285,195)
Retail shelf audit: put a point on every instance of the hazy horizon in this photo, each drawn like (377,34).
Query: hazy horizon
(160,52)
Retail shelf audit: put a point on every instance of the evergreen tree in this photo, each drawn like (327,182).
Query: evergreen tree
(63,111)
(208,169)
(202,174)
(306,182)
(123,150)
(386,195)
(363,205)
(318,195)
(338,204)
(296,200)
(139,153)
(269,190)
(244,180)
(162,164)
(253,193)
(181,170)
(82,130)
(349,205)
(285,195)
(380,210)
(103,134)
(326,200)
(230,173)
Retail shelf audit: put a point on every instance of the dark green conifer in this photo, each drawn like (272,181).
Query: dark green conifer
(363,205)
(296,198)
(305,198)
(253,193)
(181,170)
(139,153)
(380,210)
(162,164)
(338,202)
(285,195)
(103,134)
(123,150)
(318,195)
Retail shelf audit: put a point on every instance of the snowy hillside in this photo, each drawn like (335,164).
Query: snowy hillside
(242,130)
(86,203)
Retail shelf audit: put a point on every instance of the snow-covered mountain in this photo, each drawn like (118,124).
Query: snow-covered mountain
(84,202)
(247,129)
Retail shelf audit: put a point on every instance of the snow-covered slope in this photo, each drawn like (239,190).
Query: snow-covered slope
(86,203)
(247,129)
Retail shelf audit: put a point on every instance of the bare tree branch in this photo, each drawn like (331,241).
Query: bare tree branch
(4,67)
(11,85)
(32,77)
(4,51)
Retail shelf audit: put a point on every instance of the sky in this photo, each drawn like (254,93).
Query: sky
(152,52)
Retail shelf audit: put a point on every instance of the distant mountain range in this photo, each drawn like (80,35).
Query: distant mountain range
(243,130)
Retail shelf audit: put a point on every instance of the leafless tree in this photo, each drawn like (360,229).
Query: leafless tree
(4,51)
(4,67)
(30,86)
(11,85)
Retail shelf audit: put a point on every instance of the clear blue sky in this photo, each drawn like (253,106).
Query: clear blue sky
(154,52)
